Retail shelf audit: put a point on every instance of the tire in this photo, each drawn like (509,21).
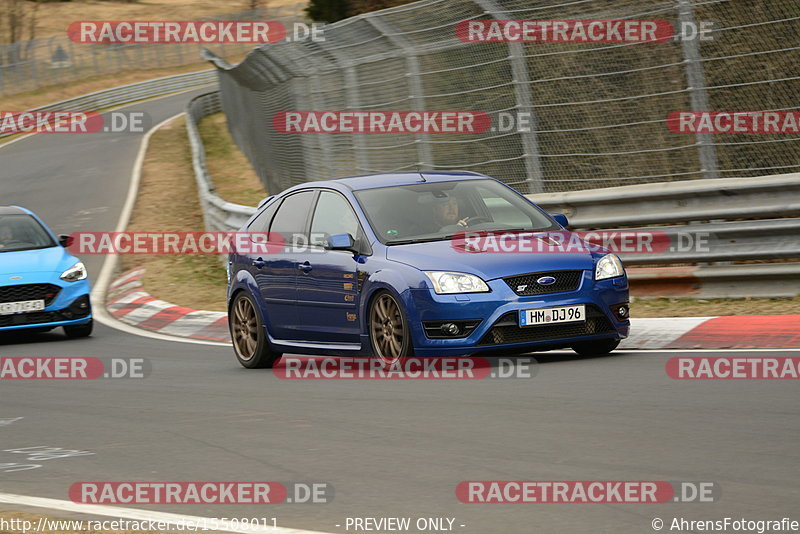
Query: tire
(248,336)
(596,348)
(389,334)
(79,330)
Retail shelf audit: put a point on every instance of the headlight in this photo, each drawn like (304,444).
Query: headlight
(609,266)
(447,282)
(75,273)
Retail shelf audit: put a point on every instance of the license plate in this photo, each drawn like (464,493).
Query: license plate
(8,308)
(561,314)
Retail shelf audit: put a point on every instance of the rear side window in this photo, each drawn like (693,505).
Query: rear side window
(261,223)
(292,215)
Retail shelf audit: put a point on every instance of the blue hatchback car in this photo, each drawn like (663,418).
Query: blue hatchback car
(42,286)
(371,267)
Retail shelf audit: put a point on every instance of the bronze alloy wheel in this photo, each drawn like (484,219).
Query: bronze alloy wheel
(248,336)
(244,329)
(388,330)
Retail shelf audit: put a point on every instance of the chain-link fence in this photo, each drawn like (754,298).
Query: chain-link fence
(30,65)
(599,110)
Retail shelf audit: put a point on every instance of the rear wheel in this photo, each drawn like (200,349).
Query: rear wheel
(248,336)
(79,330)
(388,331)
(596,348)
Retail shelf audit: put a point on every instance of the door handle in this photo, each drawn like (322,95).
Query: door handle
(259,263)
(305,267)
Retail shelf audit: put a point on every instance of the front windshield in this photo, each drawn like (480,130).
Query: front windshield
(22,232)
(435,211)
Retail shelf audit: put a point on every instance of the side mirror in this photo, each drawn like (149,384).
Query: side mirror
(560,219)
(65,240)
(341,242)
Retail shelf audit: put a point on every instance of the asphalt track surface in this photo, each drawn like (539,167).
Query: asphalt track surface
(389,448)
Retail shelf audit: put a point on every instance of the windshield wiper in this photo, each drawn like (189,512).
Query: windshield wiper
(418,240)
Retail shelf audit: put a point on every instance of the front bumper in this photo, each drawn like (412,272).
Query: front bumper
(498,331)
(71,306)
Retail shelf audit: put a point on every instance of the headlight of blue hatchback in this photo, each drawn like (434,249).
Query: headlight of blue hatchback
(445,282)
(75,273)
(609,266)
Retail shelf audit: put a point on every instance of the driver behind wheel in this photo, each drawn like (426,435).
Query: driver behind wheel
(6,235)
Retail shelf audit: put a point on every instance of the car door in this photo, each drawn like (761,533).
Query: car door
(327,286)
(276,273)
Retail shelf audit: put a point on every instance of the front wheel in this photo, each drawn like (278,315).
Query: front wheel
(79,330)
(388,331)
(248,336)
(596,348)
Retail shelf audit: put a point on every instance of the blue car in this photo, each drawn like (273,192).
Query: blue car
(369,265)
(42,286)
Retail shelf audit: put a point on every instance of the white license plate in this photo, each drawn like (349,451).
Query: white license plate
(8,308)
(561,314)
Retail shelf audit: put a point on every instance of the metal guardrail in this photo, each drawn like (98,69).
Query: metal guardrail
(125,94)
(671,202)
(219,215)
(701,203)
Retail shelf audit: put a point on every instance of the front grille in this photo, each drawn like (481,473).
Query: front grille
(21,292)
(526,284)
(507,330)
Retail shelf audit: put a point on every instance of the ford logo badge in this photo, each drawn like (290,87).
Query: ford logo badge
(546,280)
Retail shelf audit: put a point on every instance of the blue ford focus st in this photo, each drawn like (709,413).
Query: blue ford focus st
(375,265)
(42,286)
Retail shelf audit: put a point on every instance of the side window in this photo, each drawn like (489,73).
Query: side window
(292,215)
(333,215)
(261,223)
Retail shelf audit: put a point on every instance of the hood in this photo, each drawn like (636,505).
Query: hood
(444,256)
(43,260)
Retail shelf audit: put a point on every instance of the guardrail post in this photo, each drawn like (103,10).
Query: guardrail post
(424,153)
(697,88)
(522,95)
(352,100)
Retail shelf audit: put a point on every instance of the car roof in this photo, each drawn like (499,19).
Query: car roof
(372,181)
(12,210)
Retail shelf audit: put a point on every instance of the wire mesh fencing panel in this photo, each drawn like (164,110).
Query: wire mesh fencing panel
(30,65)
(596,112)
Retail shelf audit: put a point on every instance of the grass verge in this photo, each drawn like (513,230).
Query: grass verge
(168,202)
(234,178)
(684,307)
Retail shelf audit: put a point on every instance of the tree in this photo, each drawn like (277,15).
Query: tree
(328,10)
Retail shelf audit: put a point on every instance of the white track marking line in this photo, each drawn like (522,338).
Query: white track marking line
(143,515)
(100,289)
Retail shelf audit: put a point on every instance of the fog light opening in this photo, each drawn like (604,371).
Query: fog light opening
(451,329)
